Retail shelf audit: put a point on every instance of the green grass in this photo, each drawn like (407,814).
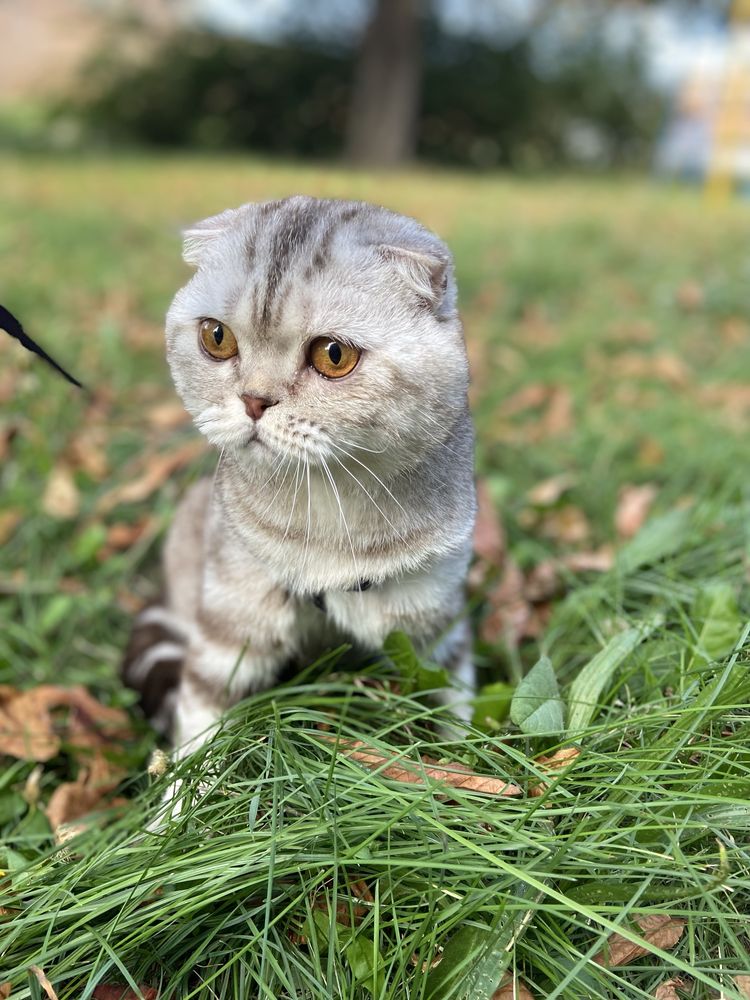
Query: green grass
(624,300)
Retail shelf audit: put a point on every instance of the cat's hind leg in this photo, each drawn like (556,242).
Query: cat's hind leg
(153,662)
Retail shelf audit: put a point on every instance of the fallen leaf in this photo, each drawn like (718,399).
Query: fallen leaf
(414,772)
(512,989)
(61,498)
(73,799)
(361,890)
(743,985)
(159,467)
(734,331)
(662,367)
(548,491)
(43,982)
(650,453)
(527,398)
(29,731)
(167,416)
(560,758)
(633,508)
(86,451)
(106,991)
(658,929)
(9,521)
(731,399)
(558,418)
(122,535)
(599,560)
(545,580)
(668,989)
(566,524)
(555,762)
(690,296)
(489,536)
(5,989)
(8,432)
(346,913)
(510,614)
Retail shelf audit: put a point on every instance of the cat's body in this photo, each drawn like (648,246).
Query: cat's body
(343,505)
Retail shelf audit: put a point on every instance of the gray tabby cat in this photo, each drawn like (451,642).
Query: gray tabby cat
(319,348)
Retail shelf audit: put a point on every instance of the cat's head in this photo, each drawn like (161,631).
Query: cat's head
(316,329)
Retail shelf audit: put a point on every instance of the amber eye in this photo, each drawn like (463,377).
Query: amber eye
(217,339)
(332,358)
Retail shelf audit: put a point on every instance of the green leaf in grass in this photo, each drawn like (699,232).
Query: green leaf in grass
(586,689)
(716,608)
(491,705)
(423,675)
(536,706)
(658,538)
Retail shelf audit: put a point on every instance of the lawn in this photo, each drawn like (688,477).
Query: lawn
(609,336)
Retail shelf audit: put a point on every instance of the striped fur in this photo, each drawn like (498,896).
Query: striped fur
(365,478)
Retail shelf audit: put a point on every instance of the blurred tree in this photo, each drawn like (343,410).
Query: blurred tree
(383,109)
(508,98)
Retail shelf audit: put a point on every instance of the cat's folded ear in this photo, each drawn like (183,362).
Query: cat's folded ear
(199,237)
(427,274)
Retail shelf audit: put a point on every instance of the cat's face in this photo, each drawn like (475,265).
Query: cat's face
(320,330)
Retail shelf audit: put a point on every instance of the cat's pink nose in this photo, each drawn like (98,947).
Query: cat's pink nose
(256,406)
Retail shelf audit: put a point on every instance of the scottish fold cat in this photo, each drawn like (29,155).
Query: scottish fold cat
(319,348)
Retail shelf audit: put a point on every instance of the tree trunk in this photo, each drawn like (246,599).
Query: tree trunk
(385,97)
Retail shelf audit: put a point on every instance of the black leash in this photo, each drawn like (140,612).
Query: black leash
(11,325)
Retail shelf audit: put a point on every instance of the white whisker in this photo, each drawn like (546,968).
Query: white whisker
(372,498)
(297,484)
(367,469)
(332,481)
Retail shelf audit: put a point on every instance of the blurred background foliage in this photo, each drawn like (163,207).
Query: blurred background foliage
(543,92)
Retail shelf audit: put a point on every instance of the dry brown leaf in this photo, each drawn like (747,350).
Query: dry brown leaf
(489,536)
(512,989)
(361,890)
(9,521)
(86,451)
(663,367)
(668,989)
(107,991)
(510,614)
(61,498)
(413,773)
(44,982)
(122,535)
(344,911)
(633,508)
(5,989)
(30,731)
(690,296)
(548,491)
(528,398)
(8,432)
(650,453)
(560,758)
(743,985)
(159,468)
(558,418)
(567,524)
(555,762)
(658,929)
(545,580)
(599,560)
(731,399)
(73,799)
(167,416)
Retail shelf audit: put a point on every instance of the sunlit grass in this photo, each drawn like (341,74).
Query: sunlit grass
(625,299)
